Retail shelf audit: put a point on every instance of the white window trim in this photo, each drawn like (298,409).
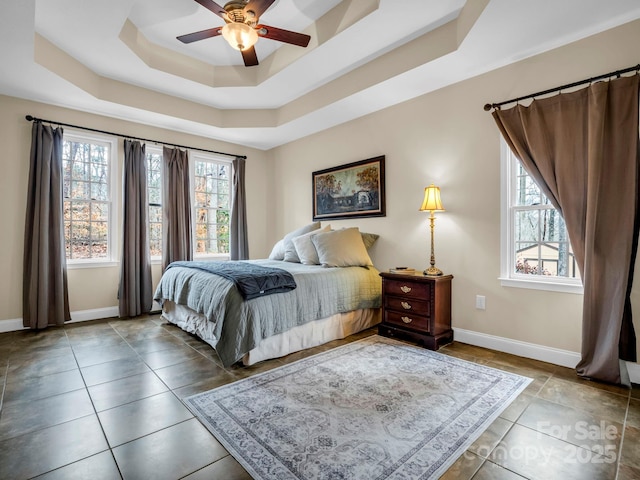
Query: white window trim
(193,156)
(112,244)
(507,254)
(154,259)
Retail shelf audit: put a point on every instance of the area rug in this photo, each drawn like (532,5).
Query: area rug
(372,409)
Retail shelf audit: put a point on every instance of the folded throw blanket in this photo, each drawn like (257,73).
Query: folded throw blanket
(251,280)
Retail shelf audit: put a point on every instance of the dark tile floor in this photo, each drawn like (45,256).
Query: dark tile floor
(102,400)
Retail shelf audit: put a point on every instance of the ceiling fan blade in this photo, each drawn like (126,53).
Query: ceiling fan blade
(281,35)
(201,35)
(258,6)
(249,56)
(213,6)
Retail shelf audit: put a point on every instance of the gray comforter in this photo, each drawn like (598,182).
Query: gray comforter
(240,324)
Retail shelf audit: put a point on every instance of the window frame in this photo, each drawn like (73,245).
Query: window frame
(508,277)
(154,149)
(195,156)
(112,230)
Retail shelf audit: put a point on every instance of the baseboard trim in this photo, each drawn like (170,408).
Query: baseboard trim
(14,324)
(94,314)
(564,358)
(11,325)
(634,372)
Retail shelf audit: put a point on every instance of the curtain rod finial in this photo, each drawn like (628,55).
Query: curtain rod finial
(487,107)
(29,118)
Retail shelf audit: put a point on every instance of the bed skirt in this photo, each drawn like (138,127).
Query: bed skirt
(298,338)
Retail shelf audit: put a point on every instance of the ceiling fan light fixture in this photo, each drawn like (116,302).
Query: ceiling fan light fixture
(239,35)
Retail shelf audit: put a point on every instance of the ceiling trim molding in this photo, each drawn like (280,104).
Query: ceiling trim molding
(169,61)
(436,43)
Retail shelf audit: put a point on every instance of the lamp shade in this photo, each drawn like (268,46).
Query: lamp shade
(239,35)
(432,200)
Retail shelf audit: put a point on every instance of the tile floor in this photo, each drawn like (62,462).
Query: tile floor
(102,400)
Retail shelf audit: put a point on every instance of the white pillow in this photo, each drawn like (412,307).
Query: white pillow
(277,253)
(305,250)
(290,254)
(341,248)
(279,249)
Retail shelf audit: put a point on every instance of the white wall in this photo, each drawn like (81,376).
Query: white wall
(446,137)
(92,289)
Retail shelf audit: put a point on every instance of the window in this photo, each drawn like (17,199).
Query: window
(154,189)
(536,252)
(211,204)
(210,190)
(89,228)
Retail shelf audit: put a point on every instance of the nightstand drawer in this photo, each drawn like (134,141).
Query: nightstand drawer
(407,320)
(407,305)
(404,288)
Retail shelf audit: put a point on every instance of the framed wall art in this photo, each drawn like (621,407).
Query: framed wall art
(349,191)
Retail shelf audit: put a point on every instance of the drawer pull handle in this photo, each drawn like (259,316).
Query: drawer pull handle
(405,289)
(405,305)
(406,319)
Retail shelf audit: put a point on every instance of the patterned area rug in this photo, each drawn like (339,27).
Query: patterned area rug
(372,409)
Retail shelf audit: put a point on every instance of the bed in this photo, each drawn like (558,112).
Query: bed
(331,300)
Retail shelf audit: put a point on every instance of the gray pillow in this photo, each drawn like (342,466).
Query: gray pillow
(341,248)
(290,254)
(369,239)
(305,250)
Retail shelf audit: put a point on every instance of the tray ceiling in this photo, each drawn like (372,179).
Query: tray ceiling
(121,58)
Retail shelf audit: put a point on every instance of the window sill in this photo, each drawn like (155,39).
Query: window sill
(542,285)
(81,265)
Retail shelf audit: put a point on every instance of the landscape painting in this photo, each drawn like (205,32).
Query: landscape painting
(352,190)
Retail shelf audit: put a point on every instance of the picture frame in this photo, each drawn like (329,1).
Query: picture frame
(353,190)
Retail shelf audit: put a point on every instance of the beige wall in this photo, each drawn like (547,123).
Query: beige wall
(92,288)
(447,138)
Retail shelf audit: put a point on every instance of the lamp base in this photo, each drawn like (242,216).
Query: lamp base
(432,271)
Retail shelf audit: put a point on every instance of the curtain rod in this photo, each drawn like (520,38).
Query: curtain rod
(617,73)
(31,118)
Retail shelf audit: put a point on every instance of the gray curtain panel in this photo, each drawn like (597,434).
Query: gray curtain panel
(45,298)
(135,289)
(582,149)
(239,243)
(176,206)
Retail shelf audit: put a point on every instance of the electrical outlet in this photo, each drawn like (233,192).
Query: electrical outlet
(480,302)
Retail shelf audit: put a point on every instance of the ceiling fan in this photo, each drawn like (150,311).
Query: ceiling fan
(242,29)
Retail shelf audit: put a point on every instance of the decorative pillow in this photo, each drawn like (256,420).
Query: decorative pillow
(369,239)
(305,250)
(341,248)
(277,253)
(290,254)
(279,249)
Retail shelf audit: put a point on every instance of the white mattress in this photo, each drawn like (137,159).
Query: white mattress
(298,338)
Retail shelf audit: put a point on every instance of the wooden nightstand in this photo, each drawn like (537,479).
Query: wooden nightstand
(418,307)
